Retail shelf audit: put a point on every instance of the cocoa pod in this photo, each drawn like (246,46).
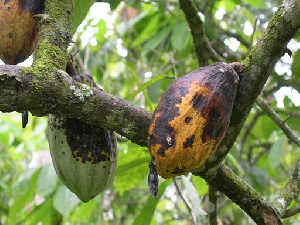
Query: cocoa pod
(191,119)
(84,156)
(18,29)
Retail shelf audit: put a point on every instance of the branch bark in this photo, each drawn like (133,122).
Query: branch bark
(204,51)
(273,115)
(46,88)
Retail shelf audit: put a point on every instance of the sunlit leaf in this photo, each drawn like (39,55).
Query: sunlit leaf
(180,36)
(24,197)
(85,210)
(194,199)
(248,15)
(296,65)
(148,210)
(65,200)
(276,151)
(257,3)
(40,213)
(47,179)
(144,86)
(81,9)
(156,40)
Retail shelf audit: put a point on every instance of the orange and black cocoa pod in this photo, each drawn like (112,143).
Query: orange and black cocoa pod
(18,29)
(191,119)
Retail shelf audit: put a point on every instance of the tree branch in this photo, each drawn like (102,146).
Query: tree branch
(57,93)
(284,127)
(204,51)
(289,193)
(291,212)
(242,194)
(255,71)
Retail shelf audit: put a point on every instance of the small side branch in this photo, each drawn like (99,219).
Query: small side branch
(291,212)
(203,48)
(284,127)
(213,205)
(288,194)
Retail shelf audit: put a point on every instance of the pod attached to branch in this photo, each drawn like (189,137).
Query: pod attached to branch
(18,29)
(191,119)
(84,156)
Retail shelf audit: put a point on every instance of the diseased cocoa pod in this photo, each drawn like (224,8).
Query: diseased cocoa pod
(18,29)
(84,156)
(191,119)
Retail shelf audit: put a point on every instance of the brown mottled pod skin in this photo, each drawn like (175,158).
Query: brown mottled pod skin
(18,29)
(191,119)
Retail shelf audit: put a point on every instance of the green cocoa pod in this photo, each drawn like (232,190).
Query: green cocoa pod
(84,156)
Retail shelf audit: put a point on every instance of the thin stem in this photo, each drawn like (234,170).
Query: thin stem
(273,115)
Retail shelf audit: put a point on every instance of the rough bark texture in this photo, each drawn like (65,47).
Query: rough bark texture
(46,88)
(59,94)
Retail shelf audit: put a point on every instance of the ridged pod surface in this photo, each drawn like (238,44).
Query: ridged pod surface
(191,119)
(84,156)
(18,29)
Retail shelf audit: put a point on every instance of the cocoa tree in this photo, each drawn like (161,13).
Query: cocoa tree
(44,88)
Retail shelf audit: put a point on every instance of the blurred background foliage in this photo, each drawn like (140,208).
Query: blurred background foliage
(134,50)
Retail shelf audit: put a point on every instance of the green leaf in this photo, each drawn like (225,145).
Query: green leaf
(296,65)
(65,200)
(24,197)
(121,170)
(180,36)
(47,179)
(85,210)
(228,5)
(200,185)
(100,35)
(276,151)
(210,30)
(256,3)
(132,167)
(156,40)
(152,25)
(148,210)
(40,212)
(81,9)
(194,199)
(144,86)
(114,4)
(162,5)
(248,15)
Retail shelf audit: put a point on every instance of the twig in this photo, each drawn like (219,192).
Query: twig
(247,132)
(266,148)
(284,127)
(291,212)
(204,51)
(288,193)
(189,207)
(252,36)
(213,205)
(242,194)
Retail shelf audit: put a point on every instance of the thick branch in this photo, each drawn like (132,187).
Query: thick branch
(54,36)
(61,95)
(242,194)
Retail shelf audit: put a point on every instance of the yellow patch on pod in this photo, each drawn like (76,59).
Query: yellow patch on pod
(191,119)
